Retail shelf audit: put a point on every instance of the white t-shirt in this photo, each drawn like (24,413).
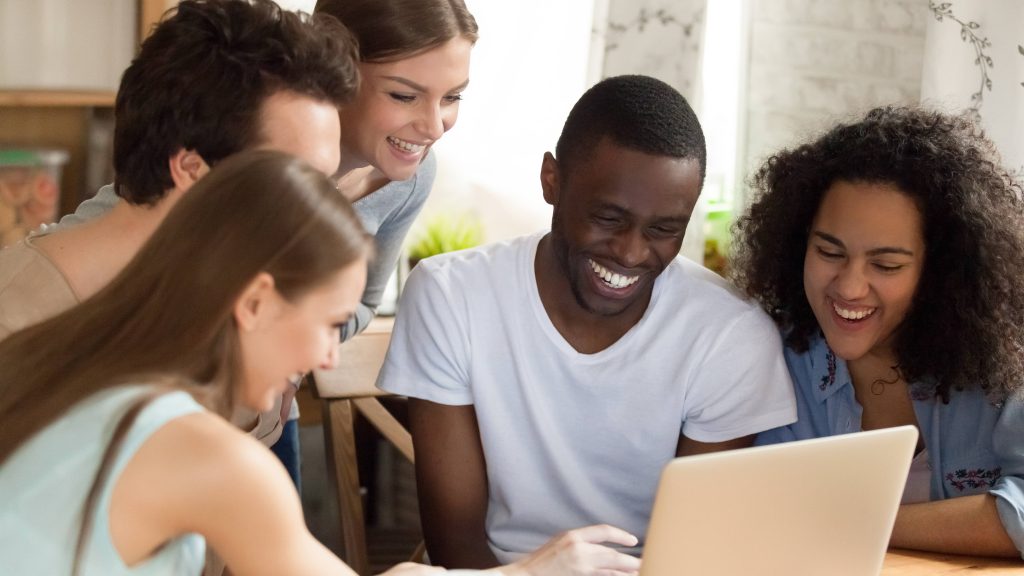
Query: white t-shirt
(573,439)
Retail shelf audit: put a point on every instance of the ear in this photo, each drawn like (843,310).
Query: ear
(549,178)
(255,303)
(186,167)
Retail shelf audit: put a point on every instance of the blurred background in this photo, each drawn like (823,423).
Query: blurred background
(762,74)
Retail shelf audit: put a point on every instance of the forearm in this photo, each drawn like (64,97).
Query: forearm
(454,548)
(451,479)
(967,525)
(364,313)
(454,528)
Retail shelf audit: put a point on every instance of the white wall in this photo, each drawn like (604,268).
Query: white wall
(65,44)
(526,73)
(814,62)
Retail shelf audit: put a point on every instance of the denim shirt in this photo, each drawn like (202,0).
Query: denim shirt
(973,446)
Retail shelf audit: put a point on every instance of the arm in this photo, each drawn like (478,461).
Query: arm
(213,480)
(989,524)
(690,447)
(965,525)
(388,239)
(451,477)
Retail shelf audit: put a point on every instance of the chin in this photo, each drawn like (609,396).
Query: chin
(846,350)
(401,174)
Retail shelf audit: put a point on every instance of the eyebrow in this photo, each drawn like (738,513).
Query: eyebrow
(681,220)
(873,252)
(418,88)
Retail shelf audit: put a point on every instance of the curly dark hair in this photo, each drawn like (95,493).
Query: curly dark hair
(636,112)
(964,327)
(202,76)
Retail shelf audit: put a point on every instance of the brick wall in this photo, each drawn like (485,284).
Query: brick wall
(813,62)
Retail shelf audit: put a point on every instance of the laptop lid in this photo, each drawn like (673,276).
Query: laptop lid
(813,507)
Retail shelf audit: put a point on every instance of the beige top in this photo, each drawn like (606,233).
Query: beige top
(32,289)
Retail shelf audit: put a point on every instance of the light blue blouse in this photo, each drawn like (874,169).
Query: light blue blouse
(45,482)
(973,445)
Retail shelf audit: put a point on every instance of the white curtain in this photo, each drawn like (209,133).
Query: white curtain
(974,60)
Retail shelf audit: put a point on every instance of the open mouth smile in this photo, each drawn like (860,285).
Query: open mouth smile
(852,315)
(405,145)
(611,279)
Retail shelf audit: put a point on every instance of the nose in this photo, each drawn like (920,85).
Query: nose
(631,247)
(431,123)
(332,358)
(851,282)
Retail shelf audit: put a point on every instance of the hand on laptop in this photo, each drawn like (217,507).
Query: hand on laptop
(579,552)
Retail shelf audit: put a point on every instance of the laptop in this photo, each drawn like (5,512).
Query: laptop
(815,507)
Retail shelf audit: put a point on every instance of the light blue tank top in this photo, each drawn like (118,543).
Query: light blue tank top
(43,487)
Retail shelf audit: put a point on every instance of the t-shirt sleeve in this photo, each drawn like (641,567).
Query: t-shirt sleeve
(1009,489)
(429,353)
(744,386)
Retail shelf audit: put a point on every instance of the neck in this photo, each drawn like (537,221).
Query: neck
(875,373)
(584,330)
(351,161)
(358,182)
(92,254)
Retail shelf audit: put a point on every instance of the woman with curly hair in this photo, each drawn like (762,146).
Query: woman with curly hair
(890,252)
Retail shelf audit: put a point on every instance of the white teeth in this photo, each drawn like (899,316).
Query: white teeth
(403,145)
(852,314)
(612,279)
(295,379)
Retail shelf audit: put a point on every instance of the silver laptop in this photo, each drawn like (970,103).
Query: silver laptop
(815,507)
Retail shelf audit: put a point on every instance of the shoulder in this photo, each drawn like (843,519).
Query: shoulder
(20,260)
(695,290)
(32,289)
(199,459)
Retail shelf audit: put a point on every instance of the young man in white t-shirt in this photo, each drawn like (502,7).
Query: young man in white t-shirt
(553,376)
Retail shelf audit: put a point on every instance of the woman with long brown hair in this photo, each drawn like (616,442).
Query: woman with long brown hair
(113,459)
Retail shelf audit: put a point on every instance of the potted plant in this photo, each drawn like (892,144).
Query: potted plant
(445,233)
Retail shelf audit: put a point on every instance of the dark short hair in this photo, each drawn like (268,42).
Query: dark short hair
(388,30)
(964,325)
(635,112)
(202,76)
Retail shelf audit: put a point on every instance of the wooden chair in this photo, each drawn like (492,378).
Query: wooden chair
(345,390)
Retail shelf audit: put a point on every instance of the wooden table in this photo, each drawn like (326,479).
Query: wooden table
(911,563)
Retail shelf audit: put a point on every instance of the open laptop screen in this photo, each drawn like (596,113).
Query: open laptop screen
(813,507)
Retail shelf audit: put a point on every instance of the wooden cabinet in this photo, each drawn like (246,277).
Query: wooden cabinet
(67,120)
(78,121)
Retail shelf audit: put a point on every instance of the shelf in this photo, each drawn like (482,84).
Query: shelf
(56,98)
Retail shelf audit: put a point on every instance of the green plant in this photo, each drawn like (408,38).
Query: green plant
(445,233)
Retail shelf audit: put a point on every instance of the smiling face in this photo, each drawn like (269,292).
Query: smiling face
(403,107)
(619,220)
(281,340)
(865,255)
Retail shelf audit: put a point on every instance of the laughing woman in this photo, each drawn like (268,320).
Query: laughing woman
(113,459)
(890,252)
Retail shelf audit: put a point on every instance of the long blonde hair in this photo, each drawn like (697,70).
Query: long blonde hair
(168,312)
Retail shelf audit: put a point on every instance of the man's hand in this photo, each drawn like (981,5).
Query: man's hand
(580,552)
